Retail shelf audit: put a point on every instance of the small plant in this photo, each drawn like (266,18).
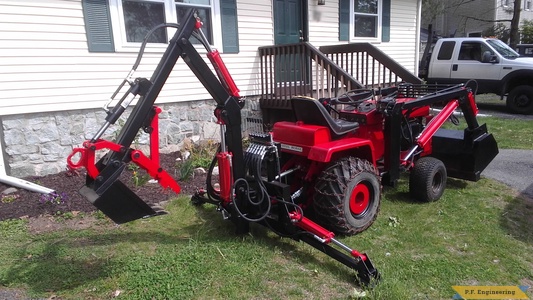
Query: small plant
(526,31)
(139,179)
(99,215)
(199,156)
(9,198)
(53,198)
(186,169)
(65,215)
(133,167)
(202,154)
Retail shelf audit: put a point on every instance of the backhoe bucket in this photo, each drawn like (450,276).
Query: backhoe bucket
(464,153)
(119,203)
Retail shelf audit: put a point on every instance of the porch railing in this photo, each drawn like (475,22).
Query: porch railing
(299,69)
(369,65)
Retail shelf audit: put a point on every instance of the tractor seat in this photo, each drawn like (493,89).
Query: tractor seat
(310,111)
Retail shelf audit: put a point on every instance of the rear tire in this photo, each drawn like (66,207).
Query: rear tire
(347,196)
(520,100)
(427,180)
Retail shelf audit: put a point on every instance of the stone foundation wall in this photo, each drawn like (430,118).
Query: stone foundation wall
(39,144)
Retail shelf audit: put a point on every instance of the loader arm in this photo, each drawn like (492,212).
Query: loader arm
(473,137)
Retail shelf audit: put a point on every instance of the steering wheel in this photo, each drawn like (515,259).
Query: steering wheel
(355,97)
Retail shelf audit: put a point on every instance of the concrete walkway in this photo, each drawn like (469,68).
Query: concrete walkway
(514,168)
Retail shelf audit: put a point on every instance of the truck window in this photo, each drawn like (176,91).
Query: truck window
(470,51)
(503,49)
(446,50)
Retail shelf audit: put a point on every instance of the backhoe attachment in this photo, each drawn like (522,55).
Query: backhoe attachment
(104,189)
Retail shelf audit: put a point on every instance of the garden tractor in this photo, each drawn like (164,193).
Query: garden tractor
(308,178)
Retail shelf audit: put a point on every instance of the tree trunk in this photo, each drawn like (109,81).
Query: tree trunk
(515,24)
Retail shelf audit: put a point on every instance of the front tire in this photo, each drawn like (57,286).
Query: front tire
(520,100)
(427,180)
(347,196)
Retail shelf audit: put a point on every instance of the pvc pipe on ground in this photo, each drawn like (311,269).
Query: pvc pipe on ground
(17,182)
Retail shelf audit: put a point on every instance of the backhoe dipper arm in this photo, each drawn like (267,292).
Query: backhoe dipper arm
(180,46)
(103,187)
(228,107)
(140,112)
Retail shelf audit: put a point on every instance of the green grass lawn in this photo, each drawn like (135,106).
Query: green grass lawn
(477,234)
(490,99)
(510,133)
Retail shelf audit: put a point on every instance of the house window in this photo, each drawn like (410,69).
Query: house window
(505,3)
(140,17)
(204,9)
(527,5)
(133,19)
(366,18)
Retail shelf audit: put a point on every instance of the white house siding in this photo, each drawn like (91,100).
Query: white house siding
(324,30)
(255,30)
(45,64)
(324,23)
(403,34)
(52,89)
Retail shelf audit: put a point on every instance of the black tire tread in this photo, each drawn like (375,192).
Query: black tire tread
(522,89)
(420,184)
(329,190)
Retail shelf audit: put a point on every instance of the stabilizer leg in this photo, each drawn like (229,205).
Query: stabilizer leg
(367,274)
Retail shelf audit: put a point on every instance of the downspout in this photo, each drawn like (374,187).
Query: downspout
(17,182)
(418,25)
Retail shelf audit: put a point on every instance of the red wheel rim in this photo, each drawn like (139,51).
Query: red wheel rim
(359,199)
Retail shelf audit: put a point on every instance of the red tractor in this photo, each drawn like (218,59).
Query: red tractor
(337,164)
(308,178)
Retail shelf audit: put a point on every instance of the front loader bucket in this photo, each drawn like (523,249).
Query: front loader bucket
(464,153)
(119,203)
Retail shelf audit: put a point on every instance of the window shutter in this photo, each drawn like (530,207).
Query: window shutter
(344,20)
(230,33)
(98,25)
(385,21)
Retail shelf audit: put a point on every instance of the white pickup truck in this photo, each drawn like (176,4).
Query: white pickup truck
(490,62)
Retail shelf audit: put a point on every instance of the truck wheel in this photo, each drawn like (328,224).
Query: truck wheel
(520,100)
(427,180)
(347,196)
